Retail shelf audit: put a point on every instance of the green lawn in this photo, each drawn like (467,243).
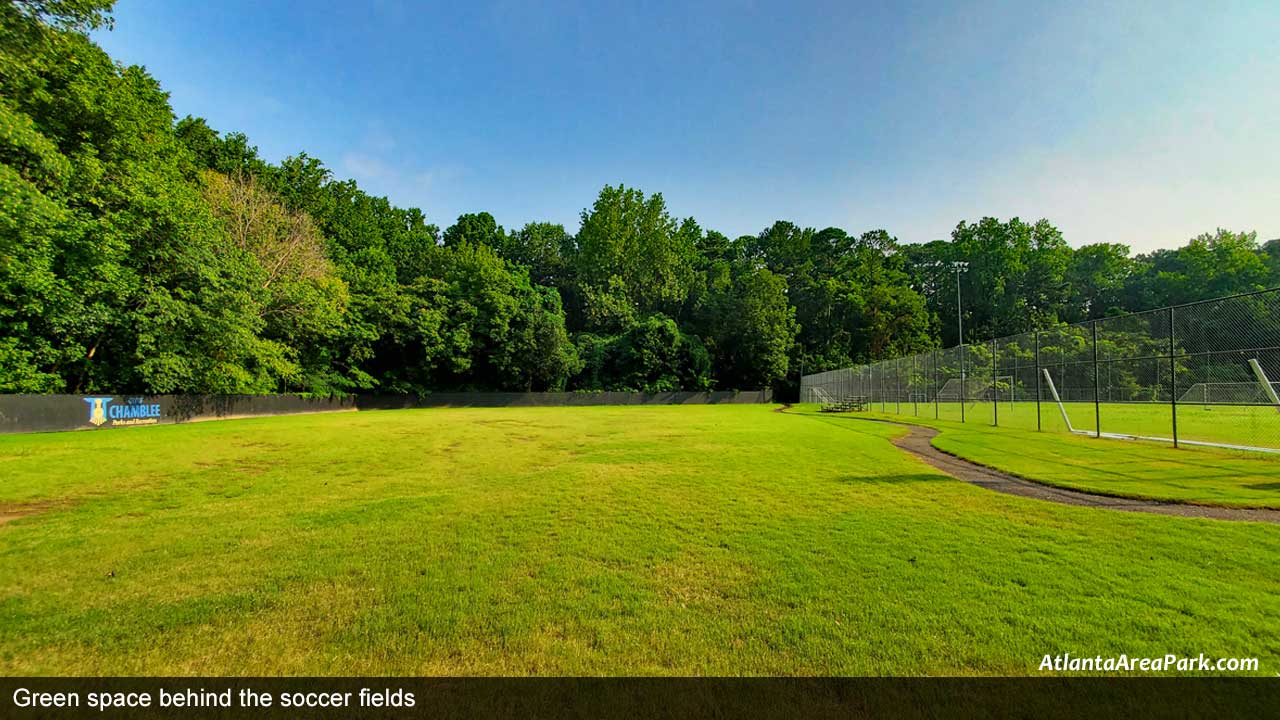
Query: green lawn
(1201,475)
(635,540)
(1240,425)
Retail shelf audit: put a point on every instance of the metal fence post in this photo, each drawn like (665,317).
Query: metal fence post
(935,383)
(897,384)
(915,396)
(1173,378)
(884,408)
(1038,373)
(1097,407)
(995,401)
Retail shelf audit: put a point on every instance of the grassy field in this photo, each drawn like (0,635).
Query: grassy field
(642,540)
(1201,475)
(1241,425)
(1119,467)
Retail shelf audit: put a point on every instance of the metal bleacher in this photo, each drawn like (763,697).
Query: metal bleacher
(853,403)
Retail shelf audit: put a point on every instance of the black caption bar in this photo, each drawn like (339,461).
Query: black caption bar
(361,698)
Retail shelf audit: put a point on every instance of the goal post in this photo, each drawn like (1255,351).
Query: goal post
(1260,392)
(951,390)
(1053,390)
(1008,384)
(1228,393)
(1264,383)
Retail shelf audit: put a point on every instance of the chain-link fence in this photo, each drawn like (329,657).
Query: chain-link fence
(1206,373)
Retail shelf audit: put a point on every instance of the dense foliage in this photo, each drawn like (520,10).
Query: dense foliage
(140,253)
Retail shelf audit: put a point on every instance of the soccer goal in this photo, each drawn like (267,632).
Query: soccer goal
(951,391)
(1231,393)
(1002,391)
(1264,387)
(1261,392)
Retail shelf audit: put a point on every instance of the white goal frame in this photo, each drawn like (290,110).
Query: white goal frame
(1258,372)
(1201,393)
(1267,386)
(1264,388)
(942,394)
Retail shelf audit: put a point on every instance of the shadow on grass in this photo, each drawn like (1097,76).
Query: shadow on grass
(1264,486)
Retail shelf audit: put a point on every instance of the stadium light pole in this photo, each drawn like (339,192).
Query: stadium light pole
(960,267)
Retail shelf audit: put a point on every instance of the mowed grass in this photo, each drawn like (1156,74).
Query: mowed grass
(1124,468)
(637,540)
(1239,425)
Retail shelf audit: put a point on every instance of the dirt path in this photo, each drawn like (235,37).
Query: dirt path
(918,442)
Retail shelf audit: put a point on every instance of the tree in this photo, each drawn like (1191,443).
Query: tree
(853,297)
(232,154)
(65,16)
(1097,275)
(783,249)
(1016,278)
(749,328)
(503,332)
(543,248)
(892,317)
(631,259)
(476,229)
(121,279)
(1210,265)
(1272,252)
(140,254)
(299,299)
(653,355)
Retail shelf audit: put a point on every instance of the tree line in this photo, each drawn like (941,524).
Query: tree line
(144,253)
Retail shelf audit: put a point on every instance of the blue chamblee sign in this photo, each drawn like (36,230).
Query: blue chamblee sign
(133,411)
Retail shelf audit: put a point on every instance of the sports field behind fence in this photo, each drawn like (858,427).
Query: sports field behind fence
(1203,373)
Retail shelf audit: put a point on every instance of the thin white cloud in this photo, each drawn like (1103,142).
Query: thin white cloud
(363,166)
(433,177)
(381,172)
(377,139)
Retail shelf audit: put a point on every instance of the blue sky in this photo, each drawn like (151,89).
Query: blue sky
(1117,122)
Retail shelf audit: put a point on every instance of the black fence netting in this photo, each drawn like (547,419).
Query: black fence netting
(50,413)
(1206,373)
